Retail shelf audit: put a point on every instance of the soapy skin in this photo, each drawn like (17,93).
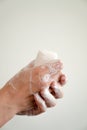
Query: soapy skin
(53,88)
(41,59)
(31,90)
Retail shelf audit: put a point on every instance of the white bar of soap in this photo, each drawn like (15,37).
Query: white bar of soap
(45,57)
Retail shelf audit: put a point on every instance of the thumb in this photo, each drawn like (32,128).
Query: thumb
(49,71)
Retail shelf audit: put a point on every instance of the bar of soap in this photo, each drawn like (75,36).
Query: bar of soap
(45,57)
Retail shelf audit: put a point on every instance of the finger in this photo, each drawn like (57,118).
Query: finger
(38,108)
(55,90)
(62,79)
(40,103)
(48,97)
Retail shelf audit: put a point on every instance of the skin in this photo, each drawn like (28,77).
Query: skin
(24,95)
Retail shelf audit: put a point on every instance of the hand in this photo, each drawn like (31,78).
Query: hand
(31,91)
(30,81)
(47,97)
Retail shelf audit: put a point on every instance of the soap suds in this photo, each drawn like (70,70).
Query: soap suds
(52,70)
(43,59)
(46,78)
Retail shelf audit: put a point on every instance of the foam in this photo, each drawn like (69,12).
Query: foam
(45,57)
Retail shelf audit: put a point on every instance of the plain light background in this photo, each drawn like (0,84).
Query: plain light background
(27,26)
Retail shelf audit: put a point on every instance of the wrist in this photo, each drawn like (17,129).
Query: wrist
(7,96)
(7,110)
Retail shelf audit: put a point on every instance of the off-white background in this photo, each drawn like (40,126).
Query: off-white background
(27,26)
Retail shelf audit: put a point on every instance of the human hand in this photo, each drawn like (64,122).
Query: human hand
(47,97)
(23,86)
